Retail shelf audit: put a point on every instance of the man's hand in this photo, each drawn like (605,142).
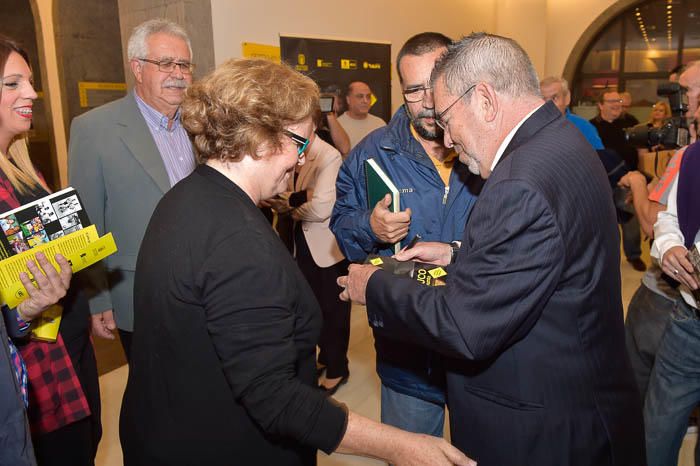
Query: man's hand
(423,449)
(389,227)
(676,265)
(51,285)
(103,324)
(355,282)
(428,252)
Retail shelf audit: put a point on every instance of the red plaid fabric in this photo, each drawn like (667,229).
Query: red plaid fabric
(8,201)
(56,398)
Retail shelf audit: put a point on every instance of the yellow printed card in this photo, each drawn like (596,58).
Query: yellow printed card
(81,248)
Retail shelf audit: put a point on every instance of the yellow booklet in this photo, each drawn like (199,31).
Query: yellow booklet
(53,224)
(81,248)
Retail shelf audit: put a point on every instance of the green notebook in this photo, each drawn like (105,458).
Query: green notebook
(378,185)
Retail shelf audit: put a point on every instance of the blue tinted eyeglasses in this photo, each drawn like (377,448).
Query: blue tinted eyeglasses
(300,141)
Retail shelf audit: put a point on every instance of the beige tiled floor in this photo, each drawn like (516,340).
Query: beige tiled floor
(361,393)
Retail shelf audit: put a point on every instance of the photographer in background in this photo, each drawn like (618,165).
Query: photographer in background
(330,130)
(674,389)
(356,120)
(655,299)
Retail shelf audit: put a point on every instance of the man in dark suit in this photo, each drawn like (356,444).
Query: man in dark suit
(530,321)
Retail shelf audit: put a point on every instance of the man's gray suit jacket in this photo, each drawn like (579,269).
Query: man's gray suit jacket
(120,176)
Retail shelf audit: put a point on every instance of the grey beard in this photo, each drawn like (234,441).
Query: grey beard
(422,131)
(425,133)
(473,167)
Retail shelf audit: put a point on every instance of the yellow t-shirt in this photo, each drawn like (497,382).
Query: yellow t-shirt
(444,167)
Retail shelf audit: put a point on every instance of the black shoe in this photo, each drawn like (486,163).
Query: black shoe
(637,264)
(331,391)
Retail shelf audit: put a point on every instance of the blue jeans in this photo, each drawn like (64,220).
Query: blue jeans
(412,414)
(674,387)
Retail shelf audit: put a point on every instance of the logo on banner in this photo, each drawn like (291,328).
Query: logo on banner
(348,64)
(301,63)
(371,66)
(321,63)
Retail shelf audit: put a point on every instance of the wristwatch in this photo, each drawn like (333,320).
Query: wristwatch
(455,249)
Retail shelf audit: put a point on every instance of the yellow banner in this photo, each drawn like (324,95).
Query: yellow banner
(268,52)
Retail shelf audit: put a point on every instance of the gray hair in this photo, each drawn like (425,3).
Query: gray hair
(138,42)
(482,57)
(548,81)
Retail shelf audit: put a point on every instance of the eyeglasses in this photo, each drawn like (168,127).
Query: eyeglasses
(300,141)
(438,117)
(612,101)
(168,66)
(415,94)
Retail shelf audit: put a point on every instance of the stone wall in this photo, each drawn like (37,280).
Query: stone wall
(88,43)
(193,15)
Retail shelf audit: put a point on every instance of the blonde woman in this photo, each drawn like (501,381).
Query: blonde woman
(660,112)
(56,381)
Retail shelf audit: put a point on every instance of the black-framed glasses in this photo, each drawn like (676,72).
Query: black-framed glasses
(416,94)
(168,66)
(300,141)
(438,117)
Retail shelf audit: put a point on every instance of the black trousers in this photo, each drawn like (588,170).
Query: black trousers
(75,444)
(335,332)
(125,339)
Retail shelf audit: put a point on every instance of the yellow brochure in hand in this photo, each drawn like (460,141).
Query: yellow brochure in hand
(81,248)
(45,327)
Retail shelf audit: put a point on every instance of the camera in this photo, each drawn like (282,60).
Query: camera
(326,102)
(674,132)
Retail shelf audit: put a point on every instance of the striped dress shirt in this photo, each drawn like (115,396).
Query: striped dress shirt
(173,143)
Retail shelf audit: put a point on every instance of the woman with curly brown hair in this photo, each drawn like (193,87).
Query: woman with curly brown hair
(223,367)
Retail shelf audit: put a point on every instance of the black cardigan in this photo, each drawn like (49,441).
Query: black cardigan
(225,330)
